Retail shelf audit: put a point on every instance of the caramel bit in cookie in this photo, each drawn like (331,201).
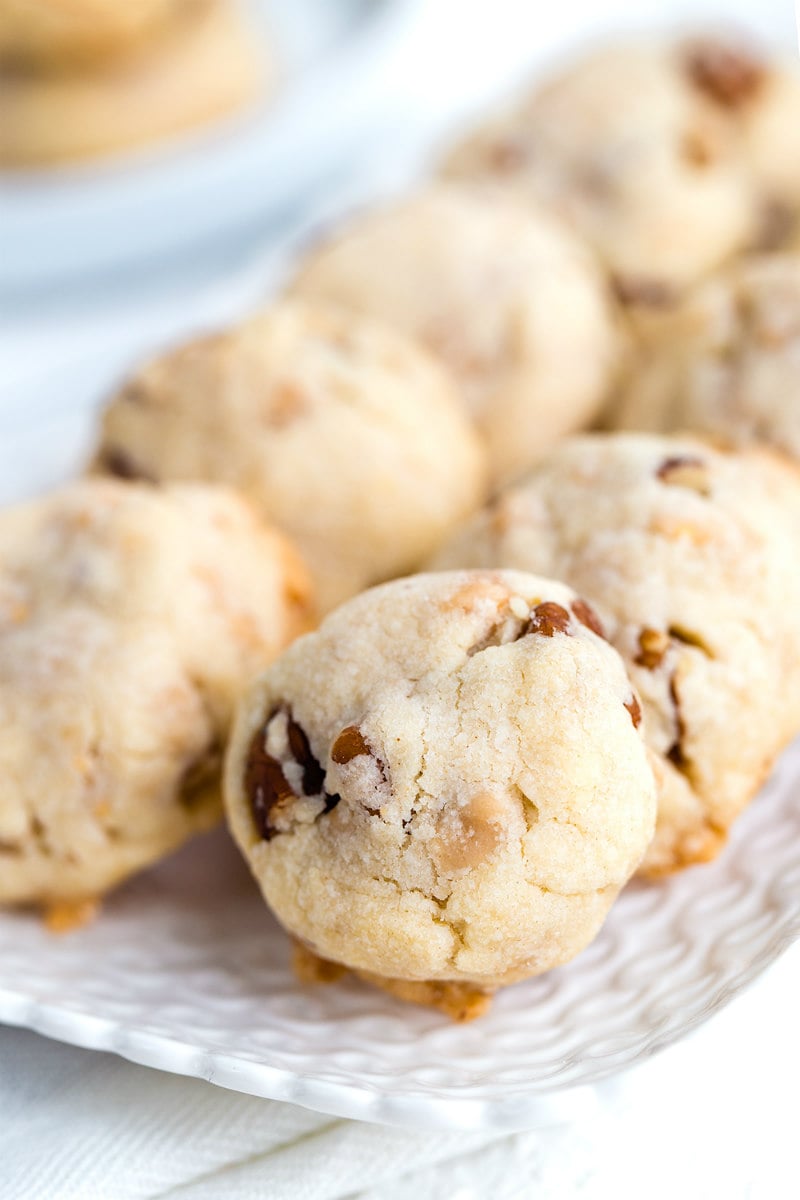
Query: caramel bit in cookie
(310,968)
(676,753)
(118,462)
(200,775)
(653,645)
(265,785)
(635,709)
(133,392)
(638,292)
(679,633)
(685,471)
(548,619)
(313,774)
(286,403)
(349,744)
(466,837)
(588,617)
(698,149)
(458,1001)
(69,915)
(473,593)
(505,156)
(777,222)
(728,75)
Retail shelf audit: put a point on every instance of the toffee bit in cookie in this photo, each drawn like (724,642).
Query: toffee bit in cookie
(777,223)
(641,292)
(588,617)
(506,156)
(133,392)
(728,75)
(653,645)
(698,149)
(118,462)
(199,776)
(635,709)
(685,471)
(265,785)
(313,773)
(349,744)
(688,637)
(549,618)
(676,754)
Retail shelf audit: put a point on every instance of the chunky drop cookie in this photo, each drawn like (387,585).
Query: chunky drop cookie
(445,786)
(691,559)
(727,362)
(505,294)
(197,70)
(668,157)
(342,432)
(130,619)
(56,34)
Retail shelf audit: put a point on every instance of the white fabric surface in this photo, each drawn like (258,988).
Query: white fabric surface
(712,1117)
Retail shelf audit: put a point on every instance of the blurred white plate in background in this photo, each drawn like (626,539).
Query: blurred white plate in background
(331,58)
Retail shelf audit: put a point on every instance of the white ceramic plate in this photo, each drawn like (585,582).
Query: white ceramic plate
(330,59)
(184,970)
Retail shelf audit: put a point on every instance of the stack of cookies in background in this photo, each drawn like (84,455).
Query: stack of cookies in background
(79,78)
(445,786)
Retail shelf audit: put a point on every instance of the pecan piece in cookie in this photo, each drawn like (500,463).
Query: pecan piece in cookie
(549,618)
(687,471)
(265,785)
(588,617)
(349,744)
(726,74)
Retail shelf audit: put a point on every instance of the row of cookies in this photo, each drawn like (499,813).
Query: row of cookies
(424,852)
(473,741)
(87,77)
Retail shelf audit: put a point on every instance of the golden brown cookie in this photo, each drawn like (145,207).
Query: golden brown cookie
(197,71)
(445,786)
(130,618)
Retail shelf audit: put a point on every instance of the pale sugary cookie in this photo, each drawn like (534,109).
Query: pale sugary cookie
(650,150)
(445,786)
(726,362)
(507,296)
(342,432)
(690,557)
(55,34)
(196,72)
(130,619)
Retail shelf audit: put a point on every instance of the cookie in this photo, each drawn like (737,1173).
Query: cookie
(690,557)
(726,362)
(196,72)
(445,786)
(342,432)
(642,148)
(55,34)
(509,299)
(130,619)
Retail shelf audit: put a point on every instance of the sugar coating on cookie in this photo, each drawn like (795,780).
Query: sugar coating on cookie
(503,292)
(726,361)
(690,557)
(445,782)
(339,430)
(130,619)
(648,149)
(197,71)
